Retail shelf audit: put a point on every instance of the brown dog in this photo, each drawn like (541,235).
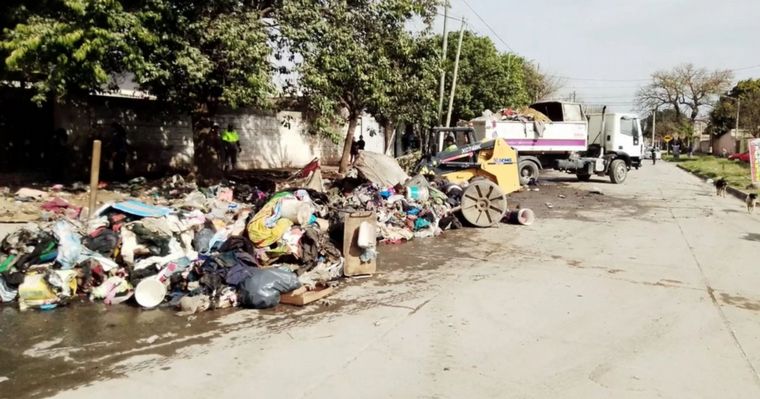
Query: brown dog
(720,187)
(751,202)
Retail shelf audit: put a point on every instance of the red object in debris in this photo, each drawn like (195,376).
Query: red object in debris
(744,157)
(102,185)
(308,169)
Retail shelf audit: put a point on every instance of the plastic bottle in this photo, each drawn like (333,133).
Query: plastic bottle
(417,193)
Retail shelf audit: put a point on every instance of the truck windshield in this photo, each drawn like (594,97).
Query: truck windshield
(628,126)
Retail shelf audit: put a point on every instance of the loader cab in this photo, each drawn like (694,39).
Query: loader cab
(439,138)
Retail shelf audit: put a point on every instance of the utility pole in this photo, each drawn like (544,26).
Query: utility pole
(738,106)
(443,60)
(456,71)
(654,124)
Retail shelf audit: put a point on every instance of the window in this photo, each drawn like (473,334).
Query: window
(627,127)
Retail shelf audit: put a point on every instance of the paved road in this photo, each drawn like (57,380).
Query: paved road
(651,290)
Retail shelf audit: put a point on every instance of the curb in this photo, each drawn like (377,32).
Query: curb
(739,194)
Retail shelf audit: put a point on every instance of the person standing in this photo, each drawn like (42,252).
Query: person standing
(120,152)
(654,155)
(230,148)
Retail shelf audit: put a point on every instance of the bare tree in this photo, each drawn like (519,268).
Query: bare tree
(701,86)
(685,89)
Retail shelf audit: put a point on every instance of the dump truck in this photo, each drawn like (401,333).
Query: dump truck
(570,139)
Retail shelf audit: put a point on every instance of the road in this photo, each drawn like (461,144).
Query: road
(649,290)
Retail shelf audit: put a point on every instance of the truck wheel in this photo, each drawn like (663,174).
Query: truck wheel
(528,170)
(618,171)
(583,177)
(483,203)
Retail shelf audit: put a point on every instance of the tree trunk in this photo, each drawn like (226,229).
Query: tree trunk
(346,158)
(389,136)
(206,154)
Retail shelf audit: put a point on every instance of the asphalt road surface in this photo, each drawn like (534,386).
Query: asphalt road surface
(651,289)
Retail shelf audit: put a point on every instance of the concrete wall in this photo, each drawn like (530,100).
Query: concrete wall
(726,141)
(282,139)
(160,139)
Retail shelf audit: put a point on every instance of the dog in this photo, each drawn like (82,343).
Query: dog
(720,187)
(751,202)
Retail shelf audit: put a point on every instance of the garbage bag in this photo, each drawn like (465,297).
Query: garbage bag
(263,288)
(380,169)
(69,245)
(202,240)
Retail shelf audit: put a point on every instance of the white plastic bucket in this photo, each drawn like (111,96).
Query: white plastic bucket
(367,235)
(150,292)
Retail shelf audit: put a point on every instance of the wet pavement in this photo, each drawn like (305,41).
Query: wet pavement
(45,352)
(645,290)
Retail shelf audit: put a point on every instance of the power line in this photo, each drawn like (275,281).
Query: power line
(493,31)
(450,17)
(488,26)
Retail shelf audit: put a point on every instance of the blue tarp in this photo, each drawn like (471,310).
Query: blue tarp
(141,209)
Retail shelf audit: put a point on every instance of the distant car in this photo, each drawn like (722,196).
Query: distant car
(647,154)
(744,157)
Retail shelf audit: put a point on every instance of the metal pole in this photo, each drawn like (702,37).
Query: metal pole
(442,89)
(654,124)
(738,105)
(456,71)
(94,177)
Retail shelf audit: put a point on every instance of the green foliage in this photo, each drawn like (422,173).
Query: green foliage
(191,53)
(723,115)
(487,78)
(205,53)
(71,46)
(352,54)
(669,123)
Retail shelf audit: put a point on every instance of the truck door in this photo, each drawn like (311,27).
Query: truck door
(628,139)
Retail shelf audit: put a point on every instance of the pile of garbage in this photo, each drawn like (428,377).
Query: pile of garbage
(523,114)
(228,245)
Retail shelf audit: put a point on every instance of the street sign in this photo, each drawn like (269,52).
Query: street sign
(754,161)
(667,138)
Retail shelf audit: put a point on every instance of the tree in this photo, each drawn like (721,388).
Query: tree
(195,55)
(410,95)
(487,78)
(538,85)
(345,59)
(685,89)
(69,48)
(723,116)
(668,123)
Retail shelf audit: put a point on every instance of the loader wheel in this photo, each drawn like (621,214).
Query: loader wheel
(528,170)
(618,171)
(483,203)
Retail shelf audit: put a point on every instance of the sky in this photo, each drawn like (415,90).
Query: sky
(605,49)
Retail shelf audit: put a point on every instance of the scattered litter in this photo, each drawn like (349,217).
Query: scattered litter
(561,196)
(596,191)
(549,205)
(175,244)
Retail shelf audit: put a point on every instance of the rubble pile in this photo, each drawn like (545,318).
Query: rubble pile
(197,248)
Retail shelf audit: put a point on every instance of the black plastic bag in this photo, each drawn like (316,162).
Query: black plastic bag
(263,288)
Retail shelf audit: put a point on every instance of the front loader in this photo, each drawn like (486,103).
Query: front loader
(487,171)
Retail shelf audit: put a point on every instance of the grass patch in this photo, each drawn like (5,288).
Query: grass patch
(736,173)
